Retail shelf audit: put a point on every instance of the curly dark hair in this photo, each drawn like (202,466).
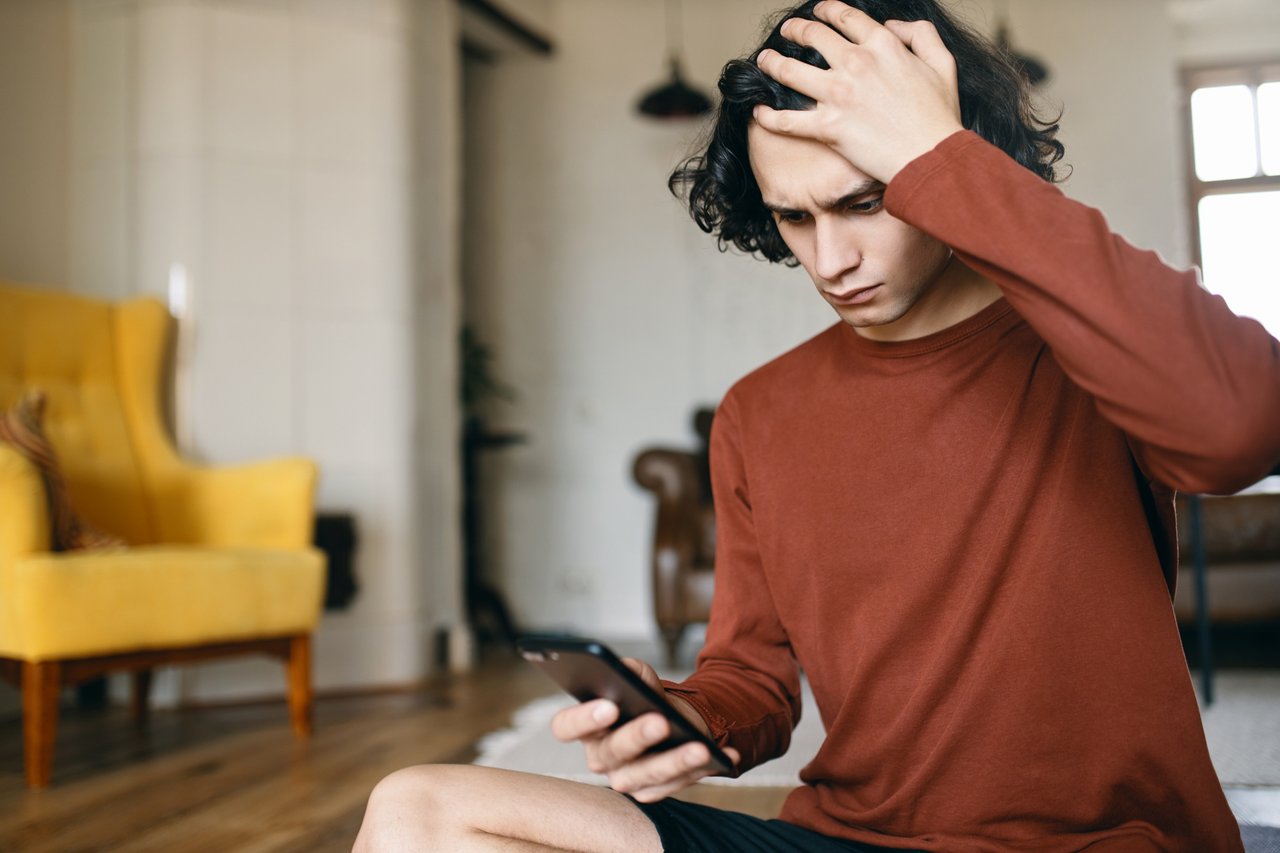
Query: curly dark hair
(721,190)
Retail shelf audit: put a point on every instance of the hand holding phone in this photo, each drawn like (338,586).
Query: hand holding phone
(637,762)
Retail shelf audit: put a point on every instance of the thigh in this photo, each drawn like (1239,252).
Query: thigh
(449,803)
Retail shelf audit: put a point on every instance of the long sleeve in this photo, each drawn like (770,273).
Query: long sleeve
(747,682)
(1194,387)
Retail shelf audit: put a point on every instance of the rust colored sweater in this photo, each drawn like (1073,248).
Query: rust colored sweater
(958,539)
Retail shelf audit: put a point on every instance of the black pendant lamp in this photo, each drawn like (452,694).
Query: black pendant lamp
(674,99)
(1035,71)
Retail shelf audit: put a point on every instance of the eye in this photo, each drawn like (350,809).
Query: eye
(867,205)
(791,217)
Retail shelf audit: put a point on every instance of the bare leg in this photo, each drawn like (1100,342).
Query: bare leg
(465,808)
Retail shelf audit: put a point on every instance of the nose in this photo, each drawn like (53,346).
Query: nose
(836,248)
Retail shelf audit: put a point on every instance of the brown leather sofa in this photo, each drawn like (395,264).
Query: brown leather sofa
(684,537)
(1242,554)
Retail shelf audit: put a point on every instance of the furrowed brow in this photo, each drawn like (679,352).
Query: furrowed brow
(781,210)
(868,186)
(864,188)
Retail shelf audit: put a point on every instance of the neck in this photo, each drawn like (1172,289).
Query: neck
(955,295)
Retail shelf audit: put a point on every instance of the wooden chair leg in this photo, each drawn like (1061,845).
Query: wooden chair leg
(41,681)
(671,635)
(299,667)
(139,702)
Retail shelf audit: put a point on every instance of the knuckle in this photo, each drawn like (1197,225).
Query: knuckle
(696,756)
(826,126)
(623,783)
(880,36)
(625,742)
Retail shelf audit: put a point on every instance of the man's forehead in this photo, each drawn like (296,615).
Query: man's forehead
(796,173)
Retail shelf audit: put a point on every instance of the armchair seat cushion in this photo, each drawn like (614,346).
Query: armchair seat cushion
(155,597)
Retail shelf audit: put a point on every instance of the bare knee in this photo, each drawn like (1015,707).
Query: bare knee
(410,808)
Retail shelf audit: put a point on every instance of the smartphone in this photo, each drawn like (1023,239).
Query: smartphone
(587,669)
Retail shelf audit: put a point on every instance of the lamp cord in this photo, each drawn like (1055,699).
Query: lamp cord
(673,30)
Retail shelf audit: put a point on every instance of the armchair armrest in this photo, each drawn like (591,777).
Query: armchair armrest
(24,529)
(24,506)
(267,504)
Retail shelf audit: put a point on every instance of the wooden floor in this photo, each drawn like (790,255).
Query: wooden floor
(234,779)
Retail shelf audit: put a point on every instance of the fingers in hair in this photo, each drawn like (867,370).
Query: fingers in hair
(786,122)
(922,39)
(804,78)
(854,24)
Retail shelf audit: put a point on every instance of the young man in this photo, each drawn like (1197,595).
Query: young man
(952,509)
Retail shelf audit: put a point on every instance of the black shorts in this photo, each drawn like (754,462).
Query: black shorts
(703,829)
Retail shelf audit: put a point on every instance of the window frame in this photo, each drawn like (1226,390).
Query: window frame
(1252,73)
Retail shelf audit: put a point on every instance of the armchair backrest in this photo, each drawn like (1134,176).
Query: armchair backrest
(99,364)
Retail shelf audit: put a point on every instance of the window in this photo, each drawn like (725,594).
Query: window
(1234,126)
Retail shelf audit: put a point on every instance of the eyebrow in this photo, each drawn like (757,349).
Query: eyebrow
(868,186)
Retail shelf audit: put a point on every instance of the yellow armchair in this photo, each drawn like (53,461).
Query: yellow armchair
(218,560)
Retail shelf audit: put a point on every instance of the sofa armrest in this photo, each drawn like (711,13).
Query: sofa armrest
(24,506)
(1236,528)
(269,504)
(672,476)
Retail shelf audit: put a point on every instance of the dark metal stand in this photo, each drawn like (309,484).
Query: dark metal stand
(1196,513)
(482,598)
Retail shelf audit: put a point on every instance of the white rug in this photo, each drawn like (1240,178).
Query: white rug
(1242,727)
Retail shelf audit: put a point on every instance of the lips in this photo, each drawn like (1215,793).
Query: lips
(855,297)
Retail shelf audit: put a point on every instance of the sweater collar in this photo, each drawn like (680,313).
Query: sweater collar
(941,339)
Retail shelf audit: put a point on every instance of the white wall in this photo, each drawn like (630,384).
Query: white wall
(1114,76)
(614,316)
(34,112)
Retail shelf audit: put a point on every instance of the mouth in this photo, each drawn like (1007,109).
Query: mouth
(854,297)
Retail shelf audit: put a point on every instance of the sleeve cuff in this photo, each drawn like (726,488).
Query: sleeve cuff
(717,725)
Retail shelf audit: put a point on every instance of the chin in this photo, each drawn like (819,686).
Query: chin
(864,316)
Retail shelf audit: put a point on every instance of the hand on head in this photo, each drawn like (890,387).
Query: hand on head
(889,96)
(620,753)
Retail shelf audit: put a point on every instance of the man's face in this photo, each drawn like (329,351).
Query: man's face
(876,271)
